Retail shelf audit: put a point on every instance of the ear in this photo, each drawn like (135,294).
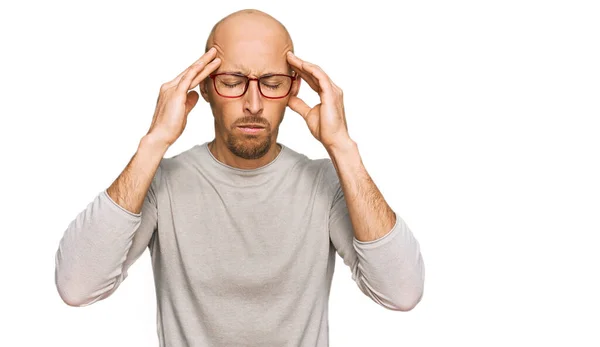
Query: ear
(296,86)
(204,88)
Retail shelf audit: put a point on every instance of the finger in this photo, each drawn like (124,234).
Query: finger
(294,60)
(311,71)
(191,101)
(299,106)
(335,86)
(198,73)
(297,64)
(203,60)
(324,82)
(210,68)
(314,84)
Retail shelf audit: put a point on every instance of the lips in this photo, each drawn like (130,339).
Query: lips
(252,126)
(251,129)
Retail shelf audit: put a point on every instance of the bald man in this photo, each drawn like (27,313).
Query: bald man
(243,230)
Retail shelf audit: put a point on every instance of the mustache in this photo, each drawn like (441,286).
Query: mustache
(252,119)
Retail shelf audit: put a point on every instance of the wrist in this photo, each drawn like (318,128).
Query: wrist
(345,156)
(153,146)
(342,147)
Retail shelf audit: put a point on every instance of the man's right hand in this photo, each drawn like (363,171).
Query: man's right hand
(175,103)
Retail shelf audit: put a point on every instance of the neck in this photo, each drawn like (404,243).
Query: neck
(220,151)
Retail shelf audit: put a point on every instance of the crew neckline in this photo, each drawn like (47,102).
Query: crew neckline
(246,171)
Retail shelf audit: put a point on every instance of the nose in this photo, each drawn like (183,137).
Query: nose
(253,100)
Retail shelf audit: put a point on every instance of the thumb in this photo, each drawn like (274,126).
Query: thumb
(299,106)
(191,101)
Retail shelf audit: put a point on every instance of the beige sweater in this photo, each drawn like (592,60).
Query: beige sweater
(240,257)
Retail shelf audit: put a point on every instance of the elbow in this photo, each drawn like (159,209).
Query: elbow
(70,292)
(407,301)
(397,295)
(74,296)
(77,289)
(72,302)
(71,296)
(403,299)
(74,293)
(411,290)
(68,289)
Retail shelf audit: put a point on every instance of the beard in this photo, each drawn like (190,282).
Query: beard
(249,146)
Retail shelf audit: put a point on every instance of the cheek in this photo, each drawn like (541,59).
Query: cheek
(228,111)
(231,108)
(281,105)
(275,111)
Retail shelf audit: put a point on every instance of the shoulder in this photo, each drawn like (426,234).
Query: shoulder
(174,166)
(180,161)
(320,170)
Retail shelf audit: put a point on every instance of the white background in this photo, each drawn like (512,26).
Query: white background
(478,120)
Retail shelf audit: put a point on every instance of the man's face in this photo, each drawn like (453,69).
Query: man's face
(252,48)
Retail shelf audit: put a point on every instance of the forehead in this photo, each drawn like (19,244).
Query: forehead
(252,49)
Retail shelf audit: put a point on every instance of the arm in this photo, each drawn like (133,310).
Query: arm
(113,231)
(376,244)
(106,238)
(381,251)
(370,214)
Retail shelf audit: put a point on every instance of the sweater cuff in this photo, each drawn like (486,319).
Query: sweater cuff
(382,240)
(104,196)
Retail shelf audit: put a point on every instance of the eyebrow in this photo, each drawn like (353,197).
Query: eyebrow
(242,70)
(241,73)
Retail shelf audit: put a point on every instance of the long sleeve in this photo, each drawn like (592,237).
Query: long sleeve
(99,245)
(389,270)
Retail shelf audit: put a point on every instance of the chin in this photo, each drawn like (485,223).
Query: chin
(249,146)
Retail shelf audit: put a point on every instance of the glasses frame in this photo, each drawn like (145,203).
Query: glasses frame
(213,77)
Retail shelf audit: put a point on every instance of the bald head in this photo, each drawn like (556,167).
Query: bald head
(253,44)
(251,21)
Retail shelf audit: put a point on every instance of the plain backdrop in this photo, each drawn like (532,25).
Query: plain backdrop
(478,120)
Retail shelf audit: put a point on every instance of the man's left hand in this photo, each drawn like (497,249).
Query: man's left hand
(327,120)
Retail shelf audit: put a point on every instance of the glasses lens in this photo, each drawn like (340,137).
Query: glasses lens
(275,86)
(230,85)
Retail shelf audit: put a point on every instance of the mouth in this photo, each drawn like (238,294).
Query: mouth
(251,128)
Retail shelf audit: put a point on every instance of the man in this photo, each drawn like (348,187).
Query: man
(243,230)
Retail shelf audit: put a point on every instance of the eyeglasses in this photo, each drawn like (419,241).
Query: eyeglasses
(233,85)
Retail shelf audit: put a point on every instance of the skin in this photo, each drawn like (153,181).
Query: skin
(254,44)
